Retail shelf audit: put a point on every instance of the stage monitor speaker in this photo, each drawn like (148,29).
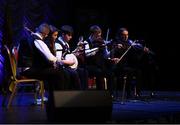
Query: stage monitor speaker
(90,106)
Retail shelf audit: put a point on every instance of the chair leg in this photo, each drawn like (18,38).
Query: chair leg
(11,86)
(36,93)
(42,93)
(105,83)
(12,94)
(124,89)
(135,91)
(133,83)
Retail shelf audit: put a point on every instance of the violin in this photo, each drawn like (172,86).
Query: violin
(126,44)
(98,42)
(123,45)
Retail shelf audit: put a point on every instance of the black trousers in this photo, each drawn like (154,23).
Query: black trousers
(74,79)
(134,78)
(57,79)
(96,71)
(83,74)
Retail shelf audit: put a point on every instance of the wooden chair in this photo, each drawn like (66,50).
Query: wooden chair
(14,82)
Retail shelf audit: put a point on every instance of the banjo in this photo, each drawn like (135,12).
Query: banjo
(73,56)
(70,57)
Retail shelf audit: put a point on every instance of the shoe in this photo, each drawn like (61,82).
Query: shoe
(113,98)
(152,94)
(137,95)
(45,99)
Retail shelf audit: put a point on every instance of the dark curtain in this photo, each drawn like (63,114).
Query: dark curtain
(145,20)
(2,22)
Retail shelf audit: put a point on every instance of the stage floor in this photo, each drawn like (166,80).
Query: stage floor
(163,108)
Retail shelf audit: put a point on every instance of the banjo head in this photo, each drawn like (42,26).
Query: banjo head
(72,56)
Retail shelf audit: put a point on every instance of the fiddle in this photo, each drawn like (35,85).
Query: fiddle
(125,45)
(98,42)
(121,44)
(103,43)
(117,60)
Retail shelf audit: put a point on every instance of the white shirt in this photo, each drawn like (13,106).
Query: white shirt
(93,51)
(41,46)
(59,48)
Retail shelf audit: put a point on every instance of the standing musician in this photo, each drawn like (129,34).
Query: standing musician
(63,53)
(129,65)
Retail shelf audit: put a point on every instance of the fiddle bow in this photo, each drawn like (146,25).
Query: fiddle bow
(119,59)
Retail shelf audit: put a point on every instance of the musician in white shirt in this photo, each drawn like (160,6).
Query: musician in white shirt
(96,57)
(64,54)
(44,62)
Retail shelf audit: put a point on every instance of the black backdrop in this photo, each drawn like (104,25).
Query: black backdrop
(156,23)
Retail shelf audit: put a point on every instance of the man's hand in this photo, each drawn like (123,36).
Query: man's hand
(115,60)
(146,49)
(119,46)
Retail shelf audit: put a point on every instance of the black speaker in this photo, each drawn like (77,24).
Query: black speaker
(89,106)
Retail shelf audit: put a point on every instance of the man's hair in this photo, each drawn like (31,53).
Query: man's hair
(122,29)
(66,29)
(43,28)
(95,29)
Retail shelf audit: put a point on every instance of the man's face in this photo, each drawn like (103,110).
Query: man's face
(45,34)
(124,35)
(96,35)
(67,37)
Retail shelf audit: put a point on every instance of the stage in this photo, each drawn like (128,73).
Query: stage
(163,108)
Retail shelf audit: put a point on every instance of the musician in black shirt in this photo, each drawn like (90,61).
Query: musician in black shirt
(126,55)
(96,60)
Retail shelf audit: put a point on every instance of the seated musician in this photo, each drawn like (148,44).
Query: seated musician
(44,62)
(95,61)
(64,54)
(130,64)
